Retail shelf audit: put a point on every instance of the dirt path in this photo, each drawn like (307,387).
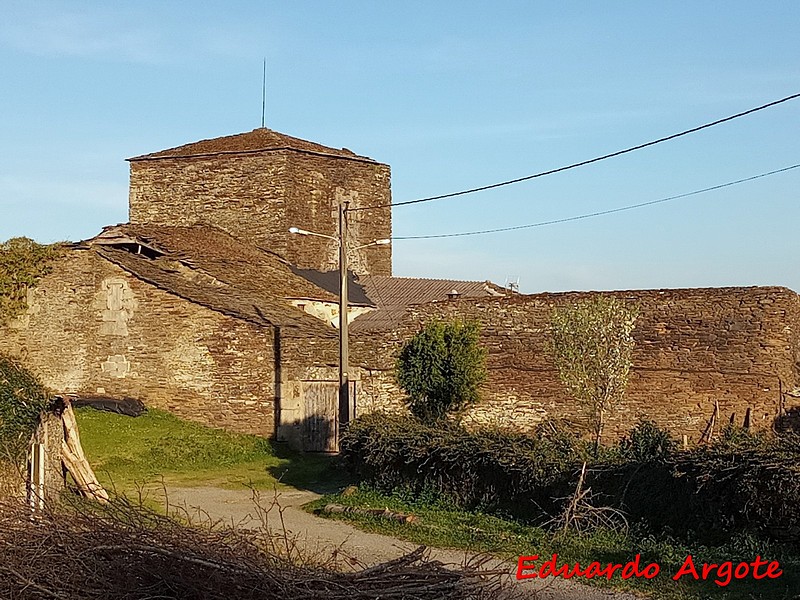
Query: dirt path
(326,535)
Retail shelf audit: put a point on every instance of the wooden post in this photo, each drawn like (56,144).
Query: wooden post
(45,475)
(36,490)
(75,460)
(708,434)
(344,342)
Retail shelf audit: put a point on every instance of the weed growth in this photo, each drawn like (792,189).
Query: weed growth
(23,263)
(22,399)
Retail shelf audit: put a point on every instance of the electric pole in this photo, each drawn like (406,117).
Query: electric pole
(344,347)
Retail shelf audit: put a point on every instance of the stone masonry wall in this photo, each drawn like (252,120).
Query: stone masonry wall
(317,185)
(258,196)
(92,329)
(737,346)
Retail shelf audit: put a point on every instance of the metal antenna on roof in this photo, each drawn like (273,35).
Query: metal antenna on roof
(264,92)
(512,285)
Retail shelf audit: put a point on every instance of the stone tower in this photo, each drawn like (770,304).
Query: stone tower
(257,185)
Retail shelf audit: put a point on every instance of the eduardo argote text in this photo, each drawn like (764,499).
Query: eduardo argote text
(529,567)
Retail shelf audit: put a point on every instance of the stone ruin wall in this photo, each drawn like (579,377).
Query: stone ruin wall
(737,346)
(258,196)
(92,329)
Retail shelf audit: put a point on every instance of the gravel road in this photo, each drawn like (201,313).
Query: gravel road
(324,536)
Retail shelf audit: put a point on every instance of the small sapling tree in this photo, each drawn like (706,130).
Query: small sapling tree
(441,368)
(592,348)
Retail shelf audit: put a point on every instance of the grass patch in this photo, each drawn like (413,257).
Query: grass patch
(127,452)
(439,525)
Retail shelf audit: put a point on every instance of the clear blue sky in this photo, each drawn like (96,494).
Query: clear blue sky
(452,95)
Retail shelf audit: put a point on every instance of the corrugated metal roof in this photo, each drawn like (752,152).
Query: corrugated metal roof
(387,291)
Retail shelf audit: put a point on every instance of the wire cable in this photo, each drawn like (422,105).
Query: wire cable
(598,213)
(583,162)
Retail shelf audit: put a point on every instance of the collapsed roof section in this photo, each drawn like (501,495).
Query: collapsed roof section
(209,267)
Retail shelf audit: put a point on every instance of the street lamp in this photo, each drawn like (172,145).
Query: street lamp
(344,337)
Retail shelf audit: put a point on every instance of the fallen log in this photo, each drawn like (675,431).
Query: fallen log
(383,513)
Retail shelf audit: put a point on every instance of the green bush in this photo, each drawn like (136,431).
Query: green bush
(493,470)
(441,368)
(735,437)
(647,442)
(713,492)
(22,399)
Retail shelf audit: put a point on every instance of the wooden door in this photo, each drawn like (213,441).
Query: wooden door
(321,415)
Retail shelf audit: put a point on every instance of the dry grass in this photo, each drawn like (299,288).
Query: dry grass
(12,483)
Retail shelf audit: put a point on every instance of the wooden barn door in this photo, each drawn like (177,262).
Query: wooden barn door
(321,414)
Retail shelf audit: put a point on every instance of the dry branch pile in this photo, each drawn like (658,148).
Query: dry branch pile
(126,552)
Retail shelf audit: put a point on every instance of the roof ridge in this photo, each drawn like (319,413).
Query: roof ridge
(261,139)
(428,278)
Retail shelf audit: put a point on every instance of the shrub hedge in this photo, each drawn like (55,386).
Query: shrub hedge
(752,485)
(492,469)
(22,399)
(713,491)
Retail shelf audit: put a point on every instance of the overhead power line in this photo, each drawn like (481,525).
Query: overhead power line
(584,162)
(598,213)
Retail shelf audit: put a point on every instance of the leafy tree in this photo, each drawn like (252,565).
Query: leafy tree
(441,368)
(592,347)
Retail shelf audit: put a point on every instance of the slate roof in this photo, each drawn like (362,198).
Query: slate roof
(393,295)
(258,140)
(209,267)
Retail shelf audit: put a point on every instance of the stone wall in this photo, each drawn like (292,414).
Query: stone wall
(92,329)
(258,196)
(736,346)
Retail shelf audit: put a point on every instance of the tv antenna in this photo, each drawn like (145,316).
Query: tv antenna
(512,284)
(264,92)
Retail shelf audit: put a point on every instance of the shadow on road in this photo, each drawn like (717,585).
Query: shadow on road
(313,471)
